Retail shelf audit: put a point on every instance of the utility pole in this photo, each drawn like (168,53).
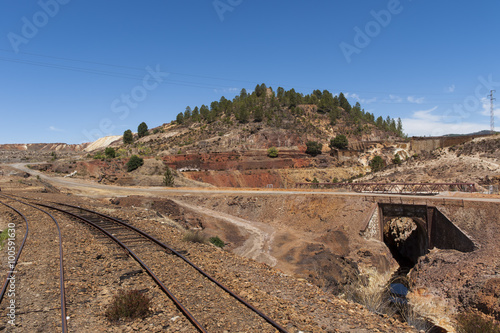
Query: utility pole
(492,112)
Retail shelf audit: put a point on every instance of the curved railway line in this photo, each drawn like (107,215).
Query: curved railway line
(194,292)
(12,269)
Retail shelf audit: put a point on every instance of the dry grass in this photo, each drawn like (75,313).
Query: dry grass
(130,304)
(195,237)
(370,290)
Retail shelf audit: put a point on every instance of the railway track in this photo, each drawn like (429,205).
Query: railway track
(42,229)
(196,294)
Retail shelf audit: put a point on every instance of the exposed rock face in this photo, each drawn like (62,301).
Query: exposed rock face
(400,229)
(58,147)
(487,299)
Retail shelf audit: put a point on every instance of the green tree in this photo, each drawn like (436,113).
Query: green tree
(128,137)
(196,114)
(243,93)
(258,114)
(187,113)
(272,152)
(344,103)
(377,163)
(243,115)
(315,182)
(339,142)
(205,112)
(134,162)
(110,152)
(168,178)
(180,118)
(280,94)
(142,130)
(313,148)
(399,127)
(260,90)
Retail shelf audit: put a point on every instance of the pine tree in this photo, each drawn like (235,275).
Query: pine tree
(128,137)
(168,178)
(142,130)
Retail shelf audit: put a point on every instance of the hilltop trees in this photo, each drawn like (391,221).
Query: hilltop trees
(286,108)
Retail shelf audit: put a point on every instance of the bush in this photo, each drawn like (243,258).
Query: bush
(131,304)
(272,152)
(134,162)
(340,142)
(217,242)
(195,237)
(110,152)
(377,163)
(397,160)
(475,323)
(313,148)
(99,156)
(3,236)
(168,178)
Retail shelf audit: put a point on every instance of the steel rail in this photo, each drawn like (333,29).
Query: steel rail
(64,322)
(220,285)
(12,266)
(178,304)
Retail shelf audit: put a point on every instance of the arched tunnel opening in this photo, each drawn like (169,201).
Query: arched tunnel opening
(409,231)
(407,240)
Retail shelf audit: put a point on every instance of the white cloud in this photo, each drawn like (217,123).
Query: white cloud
(425,123)
(451,88)
(227,90)
(359,99)
(486,108)
(55,129)
(395,98)
(426,115)
(413,99)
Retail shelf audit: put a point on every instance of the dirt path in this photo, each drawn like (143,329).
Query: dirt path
(93,189)
(257,246)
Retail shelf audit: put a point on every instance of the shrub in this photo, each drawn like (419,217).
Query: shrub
(195,237)
(340,142)
(217,242)
(134,162)
(315,182)
(377,163)
(168,178)
(272,152)
(128,304)
(313,148)
(3,236)
(98,156)
(397,160)
(475,323)
(110,152)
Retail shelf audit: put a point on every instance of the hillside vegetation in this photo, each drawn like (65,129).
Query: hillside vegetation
(267,118)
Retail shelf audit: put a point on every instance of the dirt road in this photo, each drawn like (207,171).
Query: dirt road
(95,189)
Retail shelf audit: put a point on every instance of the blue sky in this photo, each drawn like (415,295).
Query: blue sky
(74,70)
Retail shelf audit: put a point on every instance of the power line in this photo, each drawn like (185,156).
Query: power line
(194,84)
(492,112)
